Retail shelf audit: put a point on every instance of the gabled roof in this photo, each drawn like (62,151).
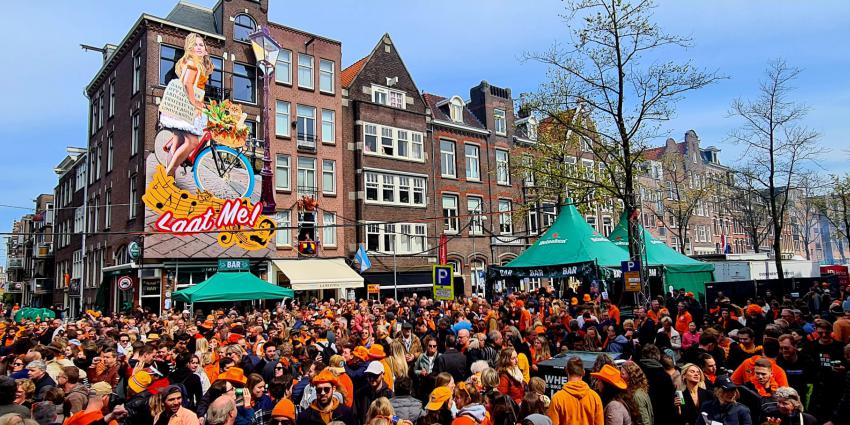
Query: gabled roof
(655,154)
(193,16)
(442,112)
(348,74)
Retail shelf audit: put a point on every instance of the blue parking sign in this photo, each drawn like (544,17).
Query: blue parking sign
(630,266)
(443,278)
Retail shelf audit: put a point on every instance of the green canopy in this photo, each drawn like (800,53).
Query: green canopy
(680,270)
(232,286)
(570,240)
(33,313)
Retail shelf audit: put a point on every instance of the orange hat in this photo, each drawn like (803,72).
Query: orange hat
(540,330)
(573,301)
(284,408)
(376,352)
(586,298)
(689,294)
(519,304)
(234,375)
(319,322)
(438,397)
(611,375)
(329,314)
(754,310)
(361,353)
(324,377)
(234,338)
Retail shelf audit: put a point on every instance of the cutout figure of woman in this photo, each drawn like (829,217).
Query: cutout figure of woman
(181,110)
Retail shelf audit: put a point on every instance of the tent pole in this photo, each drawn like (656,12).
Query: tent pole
(395,278)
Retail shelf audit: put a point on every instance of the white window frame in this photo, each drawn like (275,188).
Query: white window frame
(456,109)
(308,119)
(448,159)
(110,152)
(282,118)
(533,222)
(137,71)
(550,213)
(306,68)
(107,210)
(133,195)
(380,95)
(506,224)
(392,138)
(451,222)
(283,172)
(329,170)
(503,172)
(112,97)
(328,229)
(500,121)
(405,238)
(380,181)
(476,225)
(79,220)
(326,75)
(591,221)
(472,161)
(135,135)
(328,126)
(283,234)
(387,96)
(607,226)
(303,174)
(283,67)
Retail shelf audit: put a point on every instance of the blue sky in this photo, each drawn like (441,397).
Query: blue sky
(448,46)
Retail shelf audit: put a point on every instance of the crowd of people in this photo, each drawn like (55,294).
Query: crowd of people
(775,360)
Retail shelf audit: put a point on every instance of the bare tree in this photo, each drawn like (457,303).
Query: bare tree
(748,206)
(835,205)
(613,71)
(777,145)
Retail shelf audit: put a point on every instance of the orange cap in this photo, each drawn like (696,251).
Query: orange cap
(611,375)
(361,353)
(285,409)
(324,377)
(234,374)
(519,304)
(376,352)
(540,330)
(586,298)
(573,301)
(438,397)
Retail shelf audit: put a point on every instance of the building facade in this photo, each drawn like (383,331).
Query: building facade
(70,225)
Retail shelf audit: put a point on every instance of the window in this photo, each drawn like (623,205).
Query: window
(305,71)
(111,98)
(506,224)
(137,71)
(585,145)
(306,126)
(326,76)
(388,189)
(329,177)
(93,124)
(373,237)
(380,95)
(306,225)
(107,211)
(244,83)
(387,145)
(168,57)
(133,197)
(281,173)
(533,227)
(402,143)
(98,163)
(456,109)
(502,170)
(283,234)
(607,226)
(591,220)
(306,176)
(701,236)
(447,158)
(79,220)
(473,169)
(283,67)
(243,26)
(416,152)
(100,114)
(397,99)
(281,118)
(475,208)
(329,229)
(110,150)
(528,174)
(77,268)
(419,191)
(404,190)
(370,137)
(328,126)
(80,177)
(410,238)
(450,213)
(587,167)
(389,237)
(500,121)
(372,186)
(215,85)
(135,137)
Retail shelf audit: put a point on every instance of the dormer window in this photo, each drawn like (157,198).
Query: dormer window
(456,109)
(531,128)
(389,97)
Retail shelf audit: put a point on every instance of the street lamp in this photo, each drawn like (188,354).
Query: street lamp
(266,51)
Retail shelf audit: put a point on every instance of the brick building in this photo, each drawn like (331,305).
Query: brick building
(388,166)
(70,222)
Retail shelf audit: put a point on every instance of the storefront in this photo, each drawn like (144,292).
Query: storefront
(321,278)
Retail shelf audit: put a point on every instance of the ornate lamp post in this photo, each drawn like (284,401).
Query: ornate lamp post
(266,51)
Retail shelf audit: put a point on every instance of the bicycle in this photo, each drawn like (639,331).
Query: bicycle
(221,170)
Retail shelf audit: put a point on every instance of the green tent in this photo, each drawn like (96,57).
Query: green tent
(232,286)
(570,247)
(679,270)
(33,313)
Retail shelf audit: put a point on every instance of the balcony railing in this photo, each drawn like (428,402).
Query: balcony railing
(44,250)
(16,263)
(306,142)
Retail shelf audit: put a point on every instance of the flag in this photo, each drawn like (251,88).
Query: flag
(363,259)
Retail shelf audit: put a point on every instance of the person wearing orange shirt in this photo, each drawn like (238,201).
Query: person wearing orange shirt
(613,312)
(683,319)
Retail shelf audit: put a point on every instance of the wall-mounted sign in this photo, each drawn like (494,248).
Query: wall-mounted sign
(134,250)
(443,276)
(631,275)
(125,283)
(233,265)
(374,288)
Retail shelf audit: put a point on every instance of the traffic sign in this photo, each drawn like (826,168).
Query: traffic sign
(125,283)
(443,278)
(630,266)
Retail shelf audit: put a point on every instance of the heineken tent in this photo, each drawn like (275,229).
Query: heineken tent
(678,270)
(569,248)
(232,286)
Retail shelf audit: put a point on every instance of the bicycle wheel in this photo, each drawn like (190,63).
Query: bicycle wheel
(230,175)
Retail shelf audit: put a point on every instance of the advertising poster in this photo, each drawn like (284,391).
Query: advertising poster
(202,194)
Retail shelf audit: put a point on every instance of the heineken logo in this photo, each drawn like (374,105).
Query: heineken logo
(554,240)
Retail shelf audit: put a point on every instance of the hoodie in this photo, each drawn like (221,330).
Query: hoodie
(538,419)
(661,390)
(576,404)
(471,415)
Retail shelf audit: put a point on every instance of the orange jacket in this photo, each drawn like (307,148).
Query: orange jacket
(682,322)
(746,373)
(576,404)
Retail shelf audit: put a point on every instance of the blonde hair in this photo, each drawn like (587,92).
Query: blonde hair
(381,407)
(204,64)
(396,359)
(681,385)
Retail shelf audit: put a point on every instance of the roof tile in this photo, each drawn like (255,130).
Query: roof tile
(348,74)
(441,112)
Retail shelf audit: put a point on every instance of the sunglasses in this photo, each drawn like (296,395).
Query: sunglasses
(432,345)
(280,422)
(278,368)
(323,390)
(18,364)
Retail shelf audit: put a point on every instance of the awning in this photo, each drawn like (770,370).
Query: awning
(314,274)
(232,286)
